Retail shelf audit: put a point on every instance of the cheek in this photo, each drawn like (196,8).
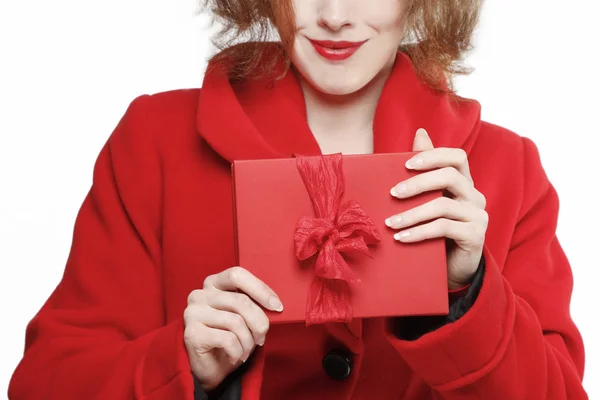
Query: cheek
(387,16)
(302,13)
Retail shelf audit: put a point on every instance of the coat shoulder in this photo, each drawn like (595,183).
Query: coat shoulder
(501,145)
(161,120)
(501,158)
(174,107)
(177,99)
(502,140)
(498,146)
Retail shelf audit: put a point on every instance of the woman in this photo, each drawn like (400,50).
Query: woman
(149,306)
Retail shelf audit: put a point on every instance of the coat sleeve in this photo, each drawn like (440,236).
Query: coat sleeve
(102,334)
(460,301)
(518,340)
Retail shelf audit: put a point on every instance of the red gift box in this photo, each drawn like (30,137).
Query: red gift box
(312,228)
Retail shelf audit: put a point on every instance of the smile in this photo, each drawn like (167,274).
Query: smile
(336,51)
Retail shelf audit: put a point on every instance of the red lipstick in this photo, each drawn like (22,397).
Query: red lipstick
(336,51)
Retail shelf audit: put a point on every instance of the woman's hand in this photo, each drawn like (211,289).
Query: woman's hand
(459,216)
(223,326)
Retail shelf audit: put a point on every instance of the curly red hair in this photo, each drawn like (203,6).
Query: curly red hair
(439,34)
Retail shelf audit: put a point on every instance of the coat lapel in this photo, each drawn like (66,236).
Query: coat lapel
(258,119)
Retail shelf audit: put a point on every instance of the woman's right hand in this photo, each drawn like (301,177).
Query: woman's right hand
(224,323)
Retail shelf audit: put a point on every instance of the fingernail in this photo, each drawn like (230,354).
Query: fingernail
(414,162)
(262,342)
(401,235)
(275,304)
(398,190)
(422,131)
(390,222)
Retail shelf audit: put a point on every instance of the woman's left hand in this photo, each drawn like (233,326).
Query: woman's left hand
(460,215)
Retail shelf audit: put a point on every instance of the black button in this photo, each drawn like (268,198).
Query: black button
(337,365)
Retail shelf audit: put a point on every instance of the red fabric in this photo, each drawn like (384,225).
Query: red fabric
(156,222)
(337,228)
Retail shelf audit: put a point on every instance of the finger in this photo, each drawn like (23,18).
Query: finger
(204,339)
(440,158)
(446,178)
(239,303)
(231,322)
(422,141)
(442,207)
(238,278)
(467,233)
(254,316)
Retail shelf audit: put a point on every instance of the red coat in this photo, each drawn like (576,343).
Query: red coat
(158,220)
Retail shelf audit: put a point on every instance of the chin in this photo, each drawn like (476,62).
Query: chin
(334,88)
(335,81)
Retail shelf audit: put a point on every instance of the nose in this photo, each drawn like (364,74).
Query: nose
(333,14)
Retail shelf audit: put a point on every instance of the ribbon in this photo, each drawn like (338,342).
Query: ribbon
(338,228)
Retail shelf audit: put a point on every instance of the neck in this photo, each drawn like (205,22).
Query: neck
(344,123)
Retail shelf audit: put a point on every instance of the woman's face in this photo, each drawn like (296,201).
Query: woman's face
(341,45)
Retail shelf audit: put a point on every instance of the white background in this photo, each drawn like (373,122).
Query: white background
(68,70)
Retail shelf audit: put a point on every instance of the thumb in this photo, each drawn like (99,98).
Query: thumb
(422,141)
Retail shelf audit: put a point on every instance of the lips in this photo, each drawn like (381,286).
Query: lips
(336,50)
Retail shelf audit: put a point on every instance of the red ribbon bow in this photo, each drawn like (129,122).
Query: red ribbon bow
(337,228)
